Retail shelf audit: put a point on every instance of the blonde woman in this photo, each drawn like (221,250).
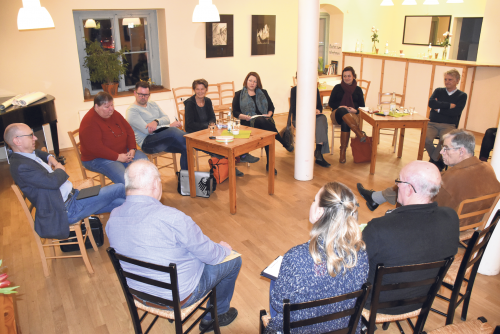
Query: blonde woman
(333,262)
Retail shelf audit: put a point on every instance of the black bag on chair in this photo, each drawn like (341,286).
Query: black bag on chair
(97,232)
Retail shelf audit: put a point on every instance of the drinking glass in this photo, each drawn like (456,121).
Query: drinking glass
(236,127)
(412,110)
(211,127)
(219,124)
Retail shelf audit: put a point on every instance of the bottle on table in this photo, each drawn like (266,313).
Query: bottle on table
(230,119)
(392,106)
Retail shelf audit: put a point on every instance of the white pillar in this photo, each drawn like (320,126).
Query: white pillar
(490,264)
(307,72)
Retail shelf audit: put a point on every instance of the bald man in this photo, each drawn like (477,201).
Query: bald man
(417,232)
(162,235)
(45,182)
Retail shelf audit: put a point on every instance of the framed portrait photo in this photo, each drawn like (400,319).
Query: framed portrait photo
(263,35)
(219,37)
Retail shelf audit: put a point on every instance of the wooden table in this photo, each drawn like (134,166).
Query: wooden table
(388,122)
(325,91)
(222,109)
(258,138)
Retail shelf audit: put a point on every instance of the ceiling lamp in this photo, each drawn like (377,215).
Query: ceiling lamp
(431,2)
(409,2)
(387,3)
(131,22)
(455,1)
(207,12)
(33,16)
(90,23)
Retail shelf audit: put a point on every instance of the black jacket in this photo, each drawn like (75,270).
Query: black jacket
(338,94)
(192,120)
(293,102)
(445,114)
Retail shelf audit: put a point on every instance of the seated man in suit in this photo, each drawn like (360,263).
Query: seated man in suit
(153,130)
(49,190)
(163,235)
(467,177)
(446,108)
(417,232)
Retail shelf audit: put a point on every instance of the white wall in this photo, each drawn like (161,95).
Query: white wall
(47,60)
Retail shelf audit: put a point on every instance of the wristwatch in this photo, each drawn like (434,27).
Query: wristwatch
(157,122)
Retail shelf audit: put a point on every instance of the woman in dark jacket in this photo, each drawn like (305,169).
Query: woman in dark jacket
(252,100)
(345,100)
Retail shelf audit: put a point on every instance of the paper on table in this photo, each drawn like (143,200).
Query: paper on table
(254,116)
(364,109)
(244,134)
(29,98)
(234,254)
(362,227)
(6,104)
(273,270)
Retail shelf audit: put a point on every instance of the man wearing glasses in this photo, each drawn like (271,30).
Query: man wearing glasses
(467,177)
(44,181)
(153,130)
(417,232)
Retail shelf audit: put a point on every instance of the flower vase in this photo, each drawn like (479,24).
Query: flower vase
(445,52)
(374,48)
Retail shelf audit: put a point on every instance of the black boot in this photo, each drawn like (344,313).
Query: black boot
(319,160)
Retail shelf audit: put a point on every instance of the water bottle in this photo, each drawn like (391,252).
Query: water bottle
(230,119)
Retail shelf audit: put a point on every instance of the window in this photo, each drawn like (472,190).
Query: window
(324,28)
(135,30)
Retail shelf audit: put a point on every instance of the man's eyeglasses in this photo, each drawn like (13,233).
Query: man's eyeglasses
(446,149)
(30,135)
(399,181)
(143,95)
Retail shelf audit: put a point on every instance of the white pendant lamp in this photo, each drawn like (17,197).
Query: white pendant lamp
(206,12)
(90,23)
(33,16)
(455,1)
(431,2)
(131,22)
(409,3)
(387,3)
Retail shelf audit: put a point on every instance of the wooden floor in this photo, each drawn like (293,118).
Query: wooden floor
(72,301)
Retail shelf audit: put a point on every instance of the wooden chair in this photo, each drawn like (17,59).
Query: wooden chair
(466,231)
(426,300)
(365,86)
(478,326)
(226,94)
(354,312)
(463,272)
(178,315)
(383,102)
(77,228)
(76,145)
(163,155)
(213,94)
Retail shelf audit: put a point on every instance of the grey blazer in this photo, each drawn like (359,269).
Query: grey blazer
(42,189)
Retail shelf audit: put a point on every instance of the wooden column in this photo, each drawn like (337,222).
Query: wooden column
(469,97)
(404,86)
(431,88)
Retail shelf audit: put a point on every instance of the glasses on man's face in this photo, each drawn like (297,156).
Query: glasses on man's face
(399,181)
(446,148)
(30,135)
(143,95)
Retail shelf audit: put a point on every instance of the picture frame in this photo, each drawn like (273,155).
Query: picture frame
(263,35)
(220,37)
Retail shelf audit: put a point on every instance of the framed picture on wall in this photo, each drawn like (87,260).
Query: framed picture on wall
(263,35)
(219,37)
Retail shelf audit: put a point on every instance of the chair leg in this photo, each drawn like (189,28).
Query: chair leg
(45,266)
(466,300)
(197,161)
(385,325)
(101,178)
(90,235)
(83,250)
(333,140)
(174,158)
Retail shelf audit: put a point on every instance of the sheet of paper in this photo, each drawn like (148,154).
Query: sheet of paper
(259,116)
(234,254)
(274,268)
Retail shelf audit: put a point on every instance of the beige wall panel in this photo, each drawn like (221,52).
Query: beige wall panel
(468,84)
(485,103)
(372,69)
(394,74)
(355,62)
(417,87)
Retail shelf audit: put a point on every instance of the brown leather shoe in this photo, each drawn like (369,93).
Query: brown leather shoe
(344,142)
(353,125)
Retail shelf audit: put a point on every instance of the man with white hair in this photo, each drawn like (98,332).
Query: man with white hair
(146,230)
(417,232)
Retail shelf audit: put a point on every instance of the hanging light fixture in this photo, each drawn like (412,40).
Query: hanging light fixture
(90,23)
(455,1)
(387,3)
(409,2)
(206,12)
(33,16)
(131,22)
(431,2)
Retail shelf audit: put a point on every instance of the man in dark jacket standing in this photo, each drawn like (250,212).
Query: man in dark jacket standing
(446,108)
(44,181)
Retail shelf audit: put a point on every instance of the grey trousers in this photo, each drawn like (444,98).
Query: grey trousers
(321,132)
(390,194)
(436,130)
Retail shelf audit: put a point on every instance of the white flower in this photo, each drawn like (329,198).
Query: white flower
(449,35)
(376,30)
(373,27)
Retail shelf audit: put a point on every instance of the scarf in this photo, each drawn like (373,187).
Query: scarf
(348,90)
(249,108)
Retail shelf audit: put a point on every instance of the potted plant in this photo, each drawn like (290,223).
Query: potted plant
(105,66)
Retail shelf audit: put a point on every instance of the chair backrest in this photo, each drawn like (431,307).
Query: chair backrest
(27,209)
(365,86)
(410,270)
(226,92)
(482,214)
(73,135)
(171,270)
(354,312)
(213,93)
(385,98)
(180,95)
(474,253)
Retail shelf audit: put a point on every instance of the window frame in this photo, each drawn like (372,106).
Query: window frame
(152,42)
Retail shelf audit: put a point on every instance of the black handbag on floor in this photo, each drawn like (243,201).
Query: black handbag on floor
(97,232)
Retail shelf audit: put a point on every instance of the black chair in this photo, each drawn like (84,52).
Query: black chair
(354,313)
(425,300)
(465,265)
(179,316)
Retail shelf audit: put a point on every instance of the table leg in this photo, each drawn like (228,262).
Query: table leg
(375,140)
(423,133)
(190,158)
(401,141)
(55,142)
(270,181)
(360,123)
(232,183)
